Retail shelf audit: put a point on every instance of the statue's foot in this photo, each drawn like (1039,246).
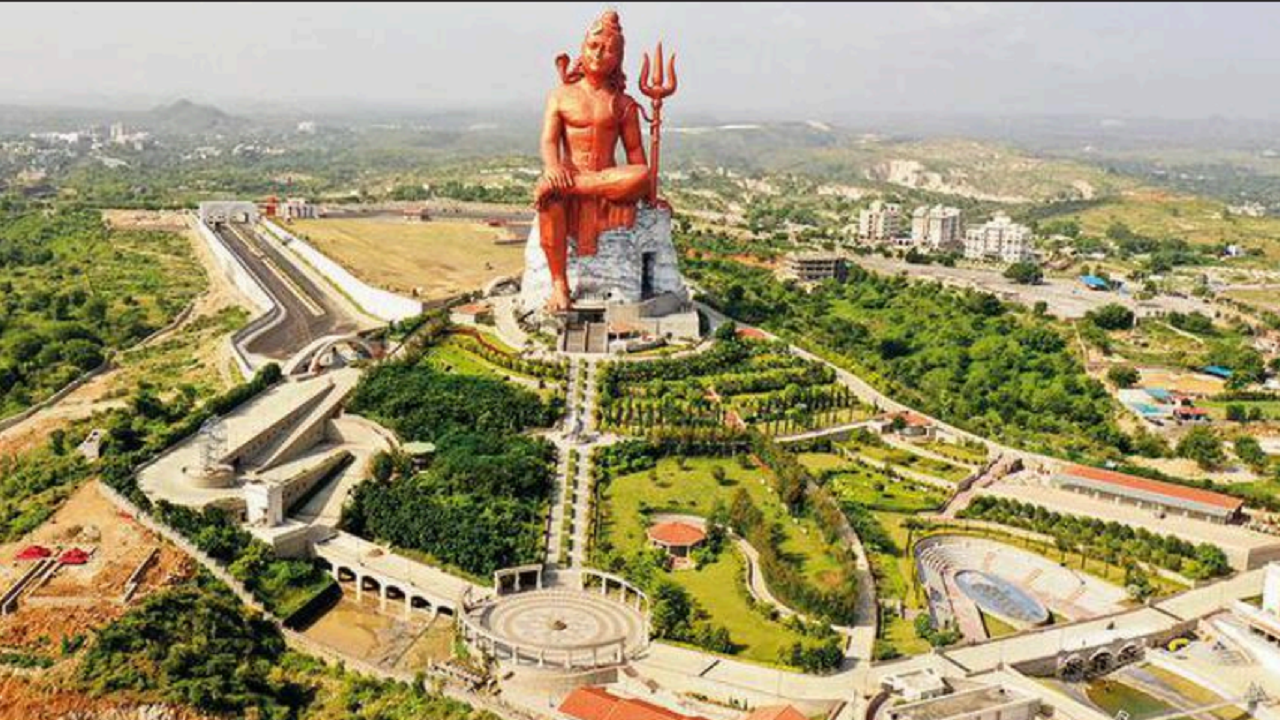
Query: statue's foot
(559,301)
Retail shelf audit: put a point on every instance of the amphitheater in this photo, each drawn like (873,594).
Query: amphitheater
(961,574)
(603,622)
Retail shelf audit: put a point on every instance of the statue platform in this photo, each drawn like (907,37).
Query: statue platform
(631,287)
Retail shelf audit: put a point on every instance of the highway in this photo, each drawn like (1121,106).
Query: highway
(312,311)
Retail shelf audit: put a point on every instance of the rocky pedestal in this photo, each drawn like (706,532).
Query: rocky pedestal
(632,266)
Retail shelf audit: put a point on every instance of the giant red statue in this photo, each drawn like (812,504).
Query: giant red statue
(583,191)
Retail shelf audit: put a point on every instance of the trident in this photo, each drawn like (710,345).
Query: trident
(657,91)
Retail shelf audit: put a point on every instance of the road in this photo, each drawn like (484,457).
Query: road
(311,311)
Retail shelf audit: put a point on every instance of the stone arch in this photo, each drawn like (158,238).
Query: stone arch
(346,574)
(1101,662)
(368,582)
(444,610)
(354,341)
(1129,653)
(1071,668)
(325,565)
(393,592)
(417,602)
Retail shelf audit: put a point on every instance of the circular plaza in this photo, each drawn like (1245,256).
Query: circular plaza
(603,622)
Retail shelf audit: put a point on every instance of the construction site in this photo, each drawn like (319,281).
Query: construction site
(80,570)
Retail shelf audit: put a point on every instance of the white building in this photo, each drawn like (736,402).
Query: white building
(879,222)
(307,127)
(296,208)
(999,239)
(936,228)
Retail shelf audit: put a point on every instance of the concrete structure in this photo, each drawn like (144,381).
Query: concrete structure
(472,313)
(395,578)
(1145,493)
(999,239)
(378,303)
(916,684)
(909,425)
(1265,620)
(936,228)
(215,212)
(879,222)
(982,703)
(633,279)
(602,623)
(296,209)
(813,267)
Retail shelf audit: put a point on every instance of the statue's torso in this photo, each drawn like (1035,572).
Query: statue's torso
(592,127)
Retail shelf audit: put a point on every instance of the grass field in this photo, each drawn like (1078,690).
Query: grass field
(434,259)
(995,626)
(718,588)
(694,491)
(1218,408)
(906,459)
(868,486)
(1196,220)
(967,454)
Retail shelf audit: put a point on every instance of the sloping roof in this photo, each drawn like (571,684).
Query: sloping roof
(472,309)
(677,533)
(34,552)
(595,703)
(751,333)
(74,556)
(1133,482)
(775,712)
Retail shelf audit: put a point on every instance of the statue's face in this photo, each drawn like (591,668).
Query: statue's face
(601,54)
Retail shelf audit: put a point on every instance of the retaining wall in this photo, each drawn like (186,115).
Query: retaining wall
(379,303)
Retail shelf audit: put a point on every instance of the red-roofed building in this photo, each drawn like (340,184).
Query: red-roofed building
(750,333)
(678,539)
(74,556)
(1163,497)
(775,712)
(907,424)
(472,313)
(595,703)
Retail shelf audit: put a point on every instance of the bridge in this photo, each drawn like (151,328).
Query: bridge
(395,578)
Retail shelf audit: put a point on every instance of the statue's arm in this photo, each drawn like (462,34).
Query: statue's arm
(632,140)
(553,169)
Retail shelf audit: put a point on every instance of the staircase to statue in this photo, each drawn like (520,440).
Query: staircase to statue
(585,337)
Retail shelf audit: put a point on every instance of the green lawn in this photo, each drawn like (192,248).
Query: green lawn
(906,459)
(695,491)
(873,488)
(452,355)
(967,454)
(1218,408)
(995,626)
(816,462)
(718,589)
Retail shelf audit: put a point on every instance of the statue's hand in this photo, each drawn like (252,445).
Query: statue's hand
(558,177)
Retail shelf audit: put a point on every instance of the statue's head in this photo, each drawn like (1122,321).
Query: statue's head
(602,50)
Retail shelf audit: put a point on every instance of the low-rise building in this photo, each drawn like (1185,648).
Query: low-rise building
(296,209)
(1264,620)
(596,703)
(916,685)
(1166,498)
(981,703)
(879,222)
(815,266)
(1000,239)
(936,228)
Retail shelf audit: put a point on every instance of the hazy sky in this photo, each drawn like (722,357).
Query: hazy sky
(801,60)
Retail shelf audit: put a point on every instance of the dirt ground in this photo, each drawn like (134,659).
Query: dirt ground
(208,357)
(430,259)
(383,637)
(80,598)
(46,699)
(1193,383)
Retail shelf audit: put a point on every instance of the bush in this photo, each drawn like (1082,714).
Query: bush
(1123,376)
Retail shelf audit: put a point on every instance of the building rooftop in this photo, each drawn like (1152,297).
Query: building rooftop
(775,712)
(676,534)
(595,703)
(472,309)
(957,704)
(1141,484)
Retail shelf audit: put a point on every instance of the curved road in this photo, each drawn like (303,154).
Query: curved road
(312,312)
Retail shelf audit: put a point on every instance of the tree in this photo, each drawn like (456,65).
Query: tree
(1249,451)
(1203,446)
(1237,413)
(1112,316)
(1123,376)
(1024,273)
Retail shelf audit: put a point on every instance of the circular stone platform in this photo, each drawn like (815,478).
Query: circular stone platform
(561,628)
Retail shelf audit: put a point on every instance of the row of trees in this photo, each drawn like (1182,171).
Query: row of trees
(551,371)
(1112,542)
(960,355)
